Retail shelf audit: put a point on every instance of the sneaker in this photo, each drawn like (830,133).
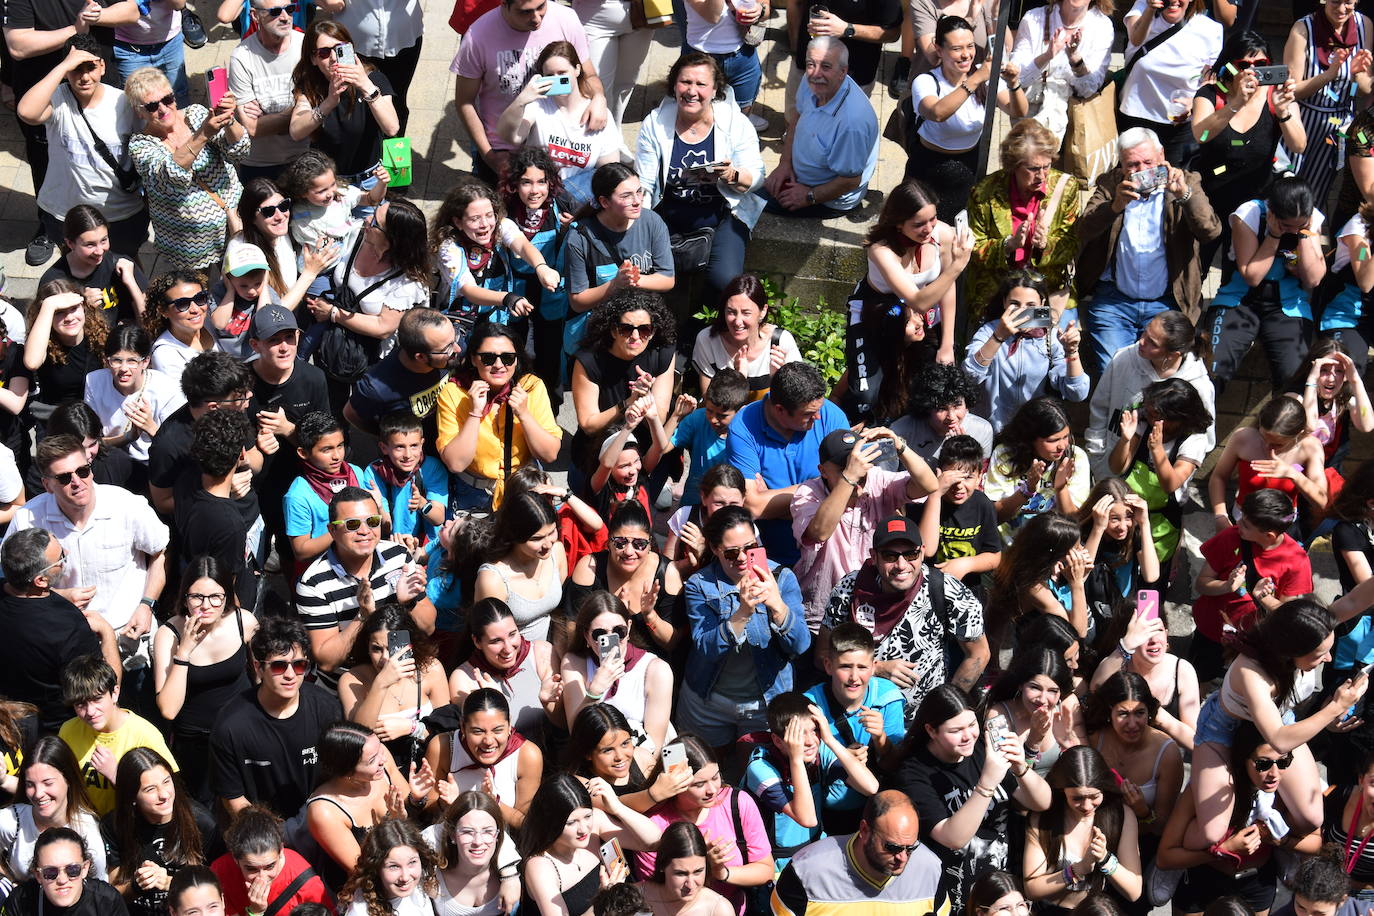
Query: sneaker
(1162,883)
(760,123)
(192,30)
(40,250)
(901,78)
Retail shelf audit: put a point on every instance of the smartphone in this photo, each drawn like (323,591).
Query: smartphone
(396,641)
(606,644)
(1146,180)
(217,84)
(1147,604)
(559,85)
(1271,76)
(343,53)
(674,758)
(961,221)
(1366,670)
(757,559)
(1041,316)
(611,853)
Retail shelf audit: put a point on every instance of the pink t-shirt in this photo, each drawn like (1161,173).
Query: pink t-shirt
(503,59)
(718,827)
(823,563)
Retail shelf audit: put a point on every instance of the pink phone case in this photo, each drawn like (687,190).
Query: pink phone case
(758,560)
(1147,604)
(217,82)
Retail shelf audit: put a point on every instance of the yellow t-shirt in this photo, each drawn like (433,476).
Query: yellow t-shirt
(83,740)
(454,404)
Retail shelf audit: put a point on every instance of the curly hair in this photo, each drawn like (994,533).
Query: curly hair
(295,179)
(521,161)
(1027,138)
(455,204)
(938,386)
(95,330)
(366,881)
(600,331)
(154,322)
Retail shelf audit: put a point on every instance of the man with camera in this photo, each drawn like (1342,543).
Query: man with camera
(1141,231)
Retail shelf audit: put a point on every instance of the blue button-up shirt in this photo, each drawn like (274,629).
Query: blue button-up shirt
(836,140)
(1142,270)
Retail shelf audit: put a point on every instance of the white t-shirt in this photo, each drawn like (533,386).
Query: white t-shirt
(1174,67)
(309,222)
(76,172)
(1249,214)
(573,148)
(11,484)
(170,355)
(162,394)
(255,73)
(709,356)
(1356,226)
(453,262)
(723,36)
(962,129)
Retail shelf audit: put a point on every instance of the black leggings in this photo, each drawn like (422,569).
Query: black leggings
(951,175)
(400,70)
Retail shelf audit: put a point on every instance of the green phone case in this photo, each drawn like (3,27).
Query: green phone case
(396,160)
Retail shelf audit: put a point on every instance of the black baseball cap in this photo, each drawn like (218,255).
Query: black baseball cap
(896,528)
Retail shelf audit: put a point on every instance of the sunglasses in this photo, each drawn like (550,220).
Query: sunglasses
(275,11)
(620,543)
(622,632)
(489,359)
(184,303)
(734,553)
(892,556)
(283,207)
(353,524)
(1263,764)
(643,330)
(325,53)
(298,665)
(893,849)
(50,872)
(65,478)
(151,107)
(1247,64)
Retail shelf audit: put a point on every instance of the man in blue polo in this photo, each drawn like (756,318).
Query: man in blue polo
(831,147)
(776,444)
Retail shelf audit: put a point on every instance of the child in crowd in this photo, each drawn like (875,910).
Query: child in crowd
(624,463)
(722,485)
(101,731)
(959,528)
(246,289)
(414,485)
(320,209)
(324,472)
(580,528)
(701,430)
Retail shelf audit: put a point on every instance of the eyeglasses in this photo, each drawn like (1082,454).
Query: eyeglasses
(622,632)
(371,222)
(892,556)
(630,196)
(893,849)
(490,359)
(279,666)
(734,553)
(50,872)
(116,363)
(275,11)
(65,478)
(1264,764)
(60,561)
(472,833)
(620,543)
(353,524)
(325,53)
(216,600)
(151,107)
(284,206)
(643,330)
(237,403)
(184,303)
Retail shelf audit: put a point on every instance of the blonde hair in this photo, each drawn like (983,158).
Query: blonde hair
(1027,138)
(142,80)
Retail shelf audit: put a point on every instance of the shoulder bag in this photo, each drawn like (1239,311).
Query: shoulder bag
(127,177)
(342,354)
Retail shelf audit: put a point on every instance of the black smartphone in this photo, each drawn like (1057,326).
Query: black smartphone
(1271,76)
(396,641)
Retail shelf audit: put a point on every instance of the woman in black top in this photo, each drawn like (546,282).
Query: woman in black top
(111,282)
(66,340)
(602,746)
(154,831)
(61,884)
(344,109)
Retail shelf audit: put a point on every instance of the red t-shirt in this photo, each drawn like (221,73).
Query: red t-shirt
(236,888)
(1286,563)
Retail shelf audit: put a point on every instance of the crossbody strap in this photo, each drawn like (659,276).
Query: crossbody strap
(1147,47)
(100,146)
(288,892)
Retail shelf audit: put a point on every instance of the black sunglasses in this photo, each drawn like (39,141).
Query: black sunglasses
(620,543)
(353,524)
(507,358)
(50,872)
(622,632)
(734,553)
(1263,764)
(892,556)
(893,849)
(275,11)
(298,665)
(325,53)
(625,329)
(151,107)
(184,303)
(283,207)
(65,478)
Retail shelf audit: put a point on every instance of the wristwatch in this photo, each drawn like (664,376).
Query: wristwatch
(849,31)
(811,198)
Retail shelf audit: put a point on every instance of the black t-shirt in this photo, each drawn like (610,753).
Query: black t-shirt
(969,528)
(152,839)
(14,426)
(97,899)
(1355,537)
(170,449)
(350,133)
(1234,173)
(117,299)
(863,55)
(43,634)
(612,375)
(263,759)
(209,525)
(939,790)
(59,382)
(48,16)
(389,387)
(304,391)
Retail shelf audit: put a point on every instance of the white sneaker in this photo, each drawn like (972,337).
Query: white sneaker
(759,123)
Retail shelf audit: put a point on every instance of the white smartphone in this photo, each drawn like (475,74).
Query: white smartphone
(674,758)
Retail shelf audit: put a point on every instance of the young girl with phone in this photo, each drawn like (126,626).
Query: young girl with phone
(1114,525)
(1143,650)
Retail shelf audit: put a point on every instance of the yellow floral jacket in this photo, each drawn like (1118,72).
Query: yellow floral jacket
(989,217)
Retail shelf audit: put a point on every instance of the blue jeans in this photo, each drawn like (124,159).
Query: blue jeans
(1114,320)
(743,72)
(169,57)
(727,256)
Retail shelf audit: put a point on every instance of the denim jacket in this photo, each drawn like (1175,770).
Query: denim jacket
(712,600)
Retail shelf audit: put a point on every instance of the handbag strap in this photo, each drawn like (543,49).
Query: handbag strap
(348,269)
(1147,47)
(506,441)
(1051,206)
(288,892)
(100,147)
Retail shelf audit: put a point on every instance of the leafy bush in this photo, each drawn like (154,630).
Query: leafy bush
(819,330)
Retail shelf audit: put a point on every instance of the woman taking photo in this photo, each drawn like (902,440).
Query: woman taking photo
(638,683)
(951,760)
(1089,830)
(1035,699)
(157,831)
(131,399)
(112,282)
(200,663)
(473,421)
(563,869)
(1172,681)
(265,214)
(1157,92)
(677,886)
(740,338)
(391,693)
(344,109)
(1016,356)
(65,343)
(1063,50)
(1123,726)
(178,321)
(485,754)
(520,669)
(526,565)
(647,586)
(477,862)
(186,161)
(1036,467)
(693,127)
(397,873)
(763,610)
(64,879)
(601,745)
(54,796)
(618,245)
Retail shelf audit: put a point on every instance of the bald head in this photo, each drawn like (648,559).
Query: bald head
(888,832)
(889,800)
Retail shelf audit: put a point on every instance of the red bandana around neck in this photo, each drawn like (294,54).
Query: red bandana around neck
(479,662)
(888,607)
(326,485)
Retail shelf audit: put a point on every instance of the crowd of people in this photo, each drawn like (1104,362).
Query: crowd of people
(309,608)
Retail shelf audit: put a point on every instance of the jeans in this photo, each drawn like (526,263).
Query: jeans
(743,72)
(812,211)
(727,256)
(169,57)
(1114,320)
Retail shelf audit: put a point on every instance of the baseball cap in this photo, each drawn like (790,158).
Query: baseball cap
(837,445)
(631,442)
(271,319)
(896,528)
(241,257)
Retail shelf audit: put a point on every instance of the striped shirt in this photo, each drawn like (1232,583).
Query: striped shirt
(327,595)
(825,878)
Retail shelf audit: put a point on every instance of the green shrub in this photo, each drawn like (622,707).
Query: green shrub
(818,329)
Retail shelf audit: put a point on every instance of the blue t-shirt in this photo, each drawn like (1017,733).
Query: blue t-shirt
(756,448)
(882,695)
(405,520)
(763,779)
(444,592)
(705,448)
(305,512)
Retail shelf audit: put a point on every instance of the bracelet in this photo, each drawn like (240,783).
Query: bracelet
(1070,879)
(181,661)
(333,310)
(726,879)
(1025,768)
(852,483)
(1000,340)
(1127,654)
(1109,865)
(317,115)
(984,791)
(1015,88)
(373,96)
(596,697)
(1310,385)
(1187,195)
(1285,119)
(427,508)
